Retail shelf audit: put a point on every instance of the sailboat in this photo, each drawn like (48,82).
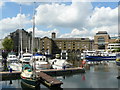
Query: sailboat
(26,57)
(28,74)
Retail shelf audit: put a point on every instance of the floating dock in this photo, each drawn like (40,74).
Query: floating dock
(8,75)
(51,72)
(61,72)
(48,80)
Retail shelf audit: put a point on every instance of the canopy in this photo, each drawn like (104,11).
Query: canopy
(26,66)
(38,54)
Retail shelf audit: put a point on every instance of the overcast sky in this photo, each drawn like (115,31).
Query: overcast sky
(67,19)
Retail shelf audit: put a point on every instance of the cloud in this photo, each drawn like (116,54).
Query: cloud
(104,19)
(76,33)
(42,33)
(78,15)
(61,15)
(79,18)
(104,16)
(11,24)
(1,4)
(111,30)
(23,2)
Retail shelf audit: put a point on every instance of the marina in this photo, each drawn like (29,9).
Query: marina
(96,76)
(53,46)
(51,78)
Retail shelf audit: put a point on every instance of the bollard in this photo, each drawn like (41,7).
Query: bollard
(10,70)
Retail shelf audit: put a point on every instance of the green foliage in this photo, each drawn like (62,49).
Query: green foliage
(35,49)
(8,44)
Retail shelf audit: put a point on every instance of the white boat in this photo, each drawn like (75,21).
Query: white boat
(59,64)
(16,66)
(28,77)
(11,58)
(26,57)
(99,56)
(1,67)
(40,62)
(1,58)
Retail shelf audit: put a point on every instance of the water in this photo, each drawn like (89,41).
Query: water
(96,76)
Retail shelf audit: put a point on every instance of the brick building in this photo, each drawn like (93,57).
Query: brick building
(57,45)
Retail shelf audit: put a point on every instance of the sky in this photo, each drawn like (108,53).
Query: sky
(67,19)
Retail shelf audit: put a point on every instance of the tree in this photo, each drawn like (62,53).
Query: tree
(8,44)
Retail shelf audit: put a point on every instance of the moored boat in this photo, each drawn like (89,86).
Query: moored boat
(27,76)
(60,63)
(26,57)
(11,57)
(40,62)
(1,67)
(101,56)
(16,66)
(118,59)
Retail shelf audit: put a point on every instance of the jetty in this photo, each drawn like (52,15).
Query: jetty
(52,72)
(48,80)
(61,72)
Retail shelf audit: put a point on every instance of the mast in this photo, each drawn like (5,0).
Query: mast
(33,36)
(118,21)
(21,31)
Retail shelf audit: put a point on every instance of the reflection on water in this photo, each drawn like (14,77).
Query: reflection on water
(96,76)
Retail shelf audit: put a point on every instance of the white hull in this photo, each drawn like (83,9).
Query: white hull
(26,57)
(12,58)
(1,67)
(59,63)
(16,66)
(40,62)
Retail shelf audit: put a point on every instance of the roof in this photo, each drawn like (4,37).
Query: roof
(38,54)
(71,39)
(101,32)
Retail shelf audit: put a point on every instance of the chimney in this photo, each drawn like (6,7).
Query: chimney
(53,35)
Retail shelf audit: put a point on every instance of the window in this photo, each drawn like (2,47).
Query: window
(68,44)
(101,43)
(101,40)
(101,46)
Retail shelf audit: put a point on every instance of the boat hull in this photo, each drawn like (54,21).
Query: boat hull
(100,58)
(118,63)
(118,59)
(29,82)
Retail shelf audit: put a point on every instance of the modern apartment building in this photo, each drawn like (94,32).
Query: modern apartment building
(102,40)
